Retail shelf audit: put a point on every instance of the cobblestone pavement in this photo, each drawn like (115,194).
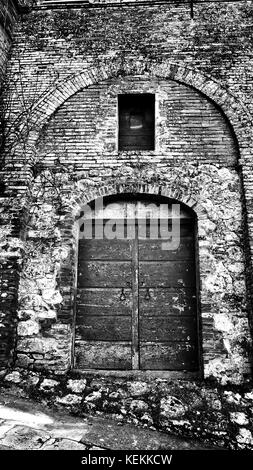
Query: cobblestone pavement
(27,425)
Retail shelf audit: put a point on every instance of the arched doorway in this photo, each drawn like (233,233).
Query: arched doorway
(136,303)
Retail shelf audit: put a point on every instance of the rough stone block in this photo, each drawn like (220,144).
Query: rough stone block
(76,386)
(69,400)
(171,407)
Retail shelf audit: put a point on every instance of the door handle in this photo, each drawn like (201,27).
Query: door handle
(147,295)
(122,295)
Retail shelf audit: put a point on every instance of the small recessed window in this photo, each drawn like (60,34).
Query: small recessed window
(136,121)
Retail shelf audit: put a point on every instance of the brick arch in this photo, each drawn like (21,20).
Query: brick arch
(180,195)
(235,111)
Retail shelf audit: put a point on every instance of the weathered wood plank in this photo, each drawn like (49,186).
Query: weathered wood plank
(135,310)
(117,232)
(168,356)
(163,229)
(167,329)
(164,212)
(100,301)
(154,250)
(103,355)
(130,207)
(107,328)
(104,274)
(104,250)
(161,302)
(166,274)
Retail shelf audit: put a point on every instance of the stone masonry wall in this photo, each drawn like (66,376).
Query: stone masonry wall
(198,410)
(8,309)
(9,257)
(47,283)
(68,160)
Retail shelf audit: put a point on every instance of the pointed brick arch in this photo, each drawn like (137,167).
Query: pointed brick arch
(235,111)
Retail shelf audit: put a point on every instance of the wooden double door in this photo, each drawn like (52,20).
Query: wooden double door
(136,302)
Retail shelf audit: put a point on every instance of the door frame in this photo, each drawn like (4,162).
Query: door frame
(137,373)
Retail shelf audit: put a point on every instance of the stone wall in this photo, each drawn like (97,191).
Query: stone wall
(10,263)
(199,410)
(71,63)
(48,280)
(9,258)
(8,309)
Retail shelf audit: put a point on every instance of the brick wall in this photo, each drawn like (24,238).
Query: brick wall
(4,46)
(71,63)
(65,40)
(8,258)
(8,17)
(83,132)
